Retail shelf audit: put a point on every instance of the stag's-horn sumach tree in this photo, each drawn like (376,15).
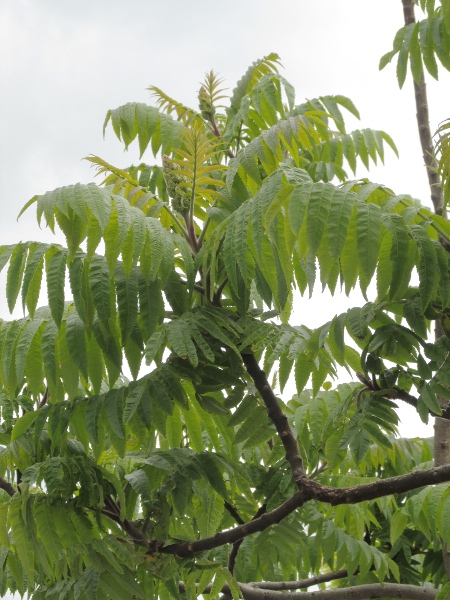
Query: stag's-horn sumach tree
(198,474)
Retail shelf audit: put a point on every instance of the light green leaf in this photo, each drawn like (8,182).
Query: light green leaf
(99,279)
(368,231)
(55,264)
(23,424)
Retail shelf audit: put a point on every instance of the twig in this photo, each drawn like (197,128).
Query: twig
(218,292)
(44,400)
(196,287)
(398,394)
(234,513)
(112,511)
(303,583)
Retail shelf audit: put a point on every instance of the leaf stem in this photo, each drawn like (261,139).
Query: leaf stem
(433,224)
(183,229)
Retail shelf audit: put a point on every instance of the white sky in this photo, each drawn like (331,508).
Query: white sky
(64,64)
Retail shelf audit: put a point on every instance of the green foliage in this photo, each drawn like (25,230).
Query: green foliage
(184,271)
(422,44)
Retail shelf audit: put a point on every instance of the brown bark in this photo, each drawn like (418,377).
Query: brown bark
(441,427)
(423,124)
(302,583)
(7,487)
(357,592)
(278,418)
(311,490)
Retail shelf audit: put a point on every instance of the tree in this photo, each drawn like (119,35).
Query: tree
(200,474)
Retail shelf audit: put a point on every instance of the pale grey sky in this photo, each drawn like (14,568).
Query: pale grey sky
(64,64)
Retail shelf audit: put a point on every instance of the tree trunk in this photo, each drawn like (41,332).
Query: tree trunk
(441,426)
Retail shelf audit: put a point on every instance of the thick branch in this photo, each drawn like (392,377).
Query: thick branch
(357,592)
(423,124)
(254,591)
(283,585)
(383,487)
(311,490)
(278,418)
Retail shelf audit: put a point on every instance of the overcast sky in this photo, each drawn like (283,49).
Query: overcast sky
(64,64)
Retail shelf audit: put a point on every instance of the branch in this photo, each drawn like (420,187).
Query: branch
(303,583)
(356,592)
(256,591)
(7,487)
(134,533)
(399,394)
(112,511)
(197,287)
(234,513)
(278,418)
(230,536)
(311,490)
(45,398)
(412,401)
(218,292)
(377,489)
